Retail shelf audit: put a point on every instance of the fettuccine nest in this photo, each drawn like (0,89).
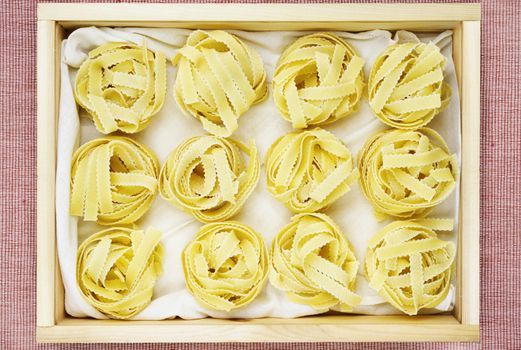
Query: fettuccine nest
(409,266)
(225,266)
(113,180)
(406,173)
(117,269)
(309,170)
(318,80)
(207,177)
(406,88)
(314,263)
(122,86)
(218,79)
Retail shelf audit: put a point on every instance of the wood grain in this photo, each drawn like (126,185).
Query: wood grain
(46,163)
(225,13)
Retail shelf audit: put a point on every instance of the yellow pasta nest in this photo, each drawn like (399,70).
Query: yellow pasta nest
(406,173)
(314,263)
(318,79)
(309,170)
(206,176)
(226,265)
(409,266)
(406,88)
(117,269)
(218,79)
(113,180)
(122,86)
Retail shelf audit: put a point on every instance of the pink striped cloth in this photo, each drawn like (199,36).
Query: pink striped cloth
(500,187)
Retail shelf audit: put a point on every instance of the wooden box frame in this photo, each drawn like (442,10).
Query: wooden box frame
(53,325)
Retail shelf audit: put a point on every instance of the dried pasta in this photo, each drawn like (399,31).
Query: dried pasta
(406,173)
(113,180)
(319,79)
(122,86)
(309,170)
(206,176)
(409,266)
(225,266)
(218,79)
(117,269)
(314,263)
(406,88)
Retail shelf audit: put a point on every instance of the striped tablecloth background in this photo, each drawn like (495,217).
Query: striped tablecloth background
(500,187)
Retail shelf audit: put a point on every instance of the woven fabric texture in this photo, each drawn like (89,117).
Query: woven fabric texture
(500,187)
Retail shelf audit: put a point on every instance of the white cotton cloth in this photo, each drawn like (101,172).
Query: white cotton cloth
(265,214)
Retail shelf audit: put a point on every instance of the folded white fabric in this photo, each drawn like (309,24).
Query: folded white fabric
(262,212)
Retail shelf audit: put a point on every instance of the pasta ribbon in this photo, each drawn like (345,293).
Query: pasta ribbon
(319,79)
(406,173)
(113,180)
(122,86)
(218,79)
(314,263)
(206,176)
(309,170)
(117,269)
(406,88)
(226,265)
(409,266)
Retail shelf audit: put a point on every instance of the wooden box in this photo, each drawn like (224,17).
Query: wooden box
(55,20)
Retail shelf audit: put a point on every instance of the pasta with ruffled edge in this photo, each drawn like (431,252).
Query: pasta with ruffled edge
(117,269)
(406,173)
(206,177)
(319,79)
(113,180)
(406,88)
(309,170)
(226,265)
(409,266)
(218,79)
(314,263)
(122,86)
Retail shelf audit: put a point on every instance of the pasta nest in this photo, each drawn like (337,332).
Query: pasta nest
(117,269)
(406,173)
(226,265)
(113,180)
(309,170)
(122,86)
(406,88)
(318,80)
(314,263)
(206,176)
(409,266)
(218,79)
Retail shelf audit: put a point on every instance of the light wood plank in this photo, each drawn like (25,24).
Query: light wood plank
(132,333)
(278,25)
(259,12)
(46,148)
(468,311)
(445,319)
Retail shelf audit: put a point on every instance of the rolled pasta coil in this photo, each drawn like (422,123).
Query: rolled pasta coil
(409,266)
(406,173)
(117,269)
(319,79)
(113,180)
(207,177)
(309,170)
(314,263)
(225,266)
(122,86)
(218,79)
(406,87)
